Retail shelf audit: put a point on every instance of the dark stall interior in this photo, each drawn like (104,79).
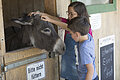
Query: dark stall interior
(13,9)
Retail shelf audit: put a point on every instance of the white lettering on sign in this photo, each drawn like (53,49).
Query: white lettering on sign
(36,71)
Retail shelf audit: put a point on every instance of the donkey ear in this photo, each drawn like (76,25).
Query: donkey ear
(22,22)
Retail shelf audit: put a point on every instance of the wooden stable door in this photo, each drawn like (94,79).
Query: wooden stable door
(27,63)
(23,65)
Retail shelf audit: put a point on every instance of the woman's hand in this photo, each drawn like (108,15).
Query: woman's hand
(46,18)
(37,12)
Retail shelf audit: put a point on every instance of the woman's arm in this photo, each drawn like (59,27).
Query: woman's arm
(52,19)
(44,14)
(90,71)
(57,22)
(50,16)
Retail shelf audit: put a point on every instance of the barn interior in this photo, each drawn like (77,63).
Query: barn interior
(13,9)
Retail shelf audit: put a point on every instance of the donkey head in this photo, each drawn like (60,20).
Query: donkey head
(42,34)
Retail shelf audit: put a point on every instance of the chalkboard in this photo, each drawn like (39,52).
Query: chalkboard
(107,59)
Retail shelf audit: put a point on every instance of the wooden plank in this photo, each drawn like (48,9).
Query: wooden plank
(10,10)
(57,68)
(49,71)
(52,74)
(50,6)
(21,54)
(39,5)
(6,11)
(20,72)
(25,6)
(52,71)
(13,8)
(2,41)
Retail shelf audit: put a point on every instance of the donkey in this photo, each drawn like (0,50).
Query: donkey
(39,33)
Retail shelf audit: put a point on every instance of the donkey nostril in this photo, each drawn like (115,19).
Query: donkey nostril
(64,48)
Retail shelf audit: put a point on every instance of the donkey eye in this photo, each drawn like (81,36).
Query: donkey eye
(46,31)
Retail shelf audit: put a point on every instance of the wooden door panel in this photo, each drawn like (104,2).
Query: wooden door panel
(22,54)
(19,73)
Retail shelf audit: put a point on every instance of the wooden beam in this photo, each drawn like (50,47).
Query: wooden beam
(50,7)
(2,39)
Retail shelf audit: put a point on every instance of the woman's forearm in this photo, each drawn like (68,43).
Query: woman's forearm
(49,18)
(60,24)
(52,17)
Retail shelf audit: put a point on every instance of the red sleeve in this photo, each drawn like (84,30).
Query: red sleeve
(90,32)
(63,20)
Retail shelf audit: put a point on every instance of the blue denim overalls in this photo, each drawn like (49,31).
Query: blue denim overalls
(68,66)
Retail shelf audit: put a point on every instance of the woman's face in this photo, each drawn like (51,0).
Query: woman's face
(71,13)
